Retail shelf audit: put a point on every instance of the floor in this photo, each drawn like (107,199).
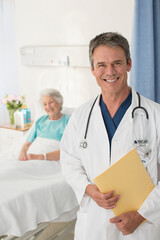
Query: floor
(58,231)
(54,231)
(69,237)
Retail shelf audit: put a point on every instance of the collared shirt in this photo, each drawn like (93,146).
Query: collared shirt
(111,124)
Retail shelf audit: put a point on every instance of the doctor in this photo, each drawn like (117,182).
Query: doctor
(111,133)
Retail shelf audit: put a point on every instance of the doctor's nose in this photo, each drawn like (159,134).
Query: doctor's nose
(110,70)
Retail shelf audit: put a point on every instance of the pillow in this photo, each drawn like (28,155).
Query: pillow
(39,111)
(67,110)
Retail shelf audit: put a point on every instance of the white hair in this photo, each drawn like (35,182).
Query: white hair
(50,92)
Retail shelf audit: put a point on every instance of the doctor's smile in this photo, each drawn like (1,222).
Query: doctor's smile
(110,80)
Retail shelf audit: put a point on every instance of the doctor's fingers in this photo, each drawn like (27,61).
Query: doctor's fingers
(105,205)
(108,197)
(108,203)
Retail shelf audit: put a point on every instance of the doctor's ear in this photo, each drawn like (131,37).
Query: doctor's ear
(129,65)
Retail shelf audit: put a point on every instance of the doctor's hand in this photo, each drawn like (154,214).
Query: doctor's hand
(127,222)
(105,200)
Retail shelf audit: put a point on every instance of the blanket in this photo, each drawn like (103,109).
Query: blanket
(33,191)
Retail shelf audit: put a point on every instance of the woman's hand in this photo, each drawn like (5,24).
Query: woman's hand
(22,156)
(52,156)
(31,156)
(23,152)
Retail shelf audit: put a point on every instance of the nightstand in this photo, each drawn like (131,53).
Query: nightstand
(9,134)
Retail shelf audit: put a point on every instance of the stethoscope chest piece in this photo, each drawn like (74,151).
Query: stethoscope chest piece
(83,144)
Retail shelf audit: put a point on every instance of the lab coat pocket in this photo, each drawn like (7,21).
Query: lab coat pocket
(81,226)
(144,154)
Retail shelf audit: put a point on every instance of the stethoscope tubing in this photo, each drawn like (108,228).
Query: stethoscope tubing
(139,107)
(133,112)
(89,116)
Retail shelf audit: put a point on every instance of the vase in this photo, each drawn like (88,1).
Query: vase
(11,115)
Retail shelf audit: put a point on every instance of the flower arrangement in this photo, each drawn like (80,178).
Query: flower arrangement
(12,102)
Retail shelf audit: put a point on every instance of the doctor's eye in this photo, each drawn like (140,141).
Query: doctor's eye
(117,63)
(100,65)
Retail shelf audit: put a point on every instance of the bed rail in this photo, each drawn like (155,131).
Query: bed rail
(46,231)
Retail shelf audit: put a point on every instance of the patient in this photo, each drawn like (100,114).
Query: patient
(50,126)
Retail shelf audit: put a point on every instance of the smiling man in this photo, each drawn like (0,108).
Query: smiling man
(100,133)
(110,68)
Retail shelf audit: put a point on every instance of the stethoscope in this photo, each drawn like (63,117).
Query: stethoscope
(83,143)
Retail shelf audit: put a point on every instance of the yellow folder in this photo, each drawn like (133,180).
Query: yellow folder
(128,178)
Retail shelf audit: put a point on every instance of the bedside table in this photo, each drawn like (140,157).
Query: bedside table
(9,134)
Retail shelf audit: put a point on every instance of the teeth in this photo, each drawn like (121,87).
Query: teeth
(110,81)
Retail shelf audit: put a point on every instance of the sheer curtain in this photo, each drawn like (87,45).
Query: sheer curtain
(8,59)
(145,49)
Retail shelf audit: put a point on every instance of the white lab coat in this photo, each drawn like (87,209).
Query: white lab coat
(80,166)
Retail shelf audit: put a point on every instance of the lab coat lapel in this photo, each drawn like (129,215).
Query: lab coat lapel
(99,138)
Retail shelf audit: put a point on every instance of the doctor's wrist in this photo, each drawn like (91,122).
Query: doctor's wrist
(90,190)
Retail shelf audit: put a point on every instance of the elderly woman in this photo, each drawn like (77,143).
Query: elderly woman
(50,126)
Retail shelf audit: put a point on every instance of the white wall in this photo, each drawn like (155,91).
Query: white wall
(66,22)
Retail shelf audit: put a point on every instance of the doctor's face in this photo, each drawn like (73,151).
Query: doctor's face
(52,107)
(110,69)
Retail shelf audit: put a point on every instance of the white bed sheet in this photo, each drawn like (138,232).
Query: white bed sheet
(33,191)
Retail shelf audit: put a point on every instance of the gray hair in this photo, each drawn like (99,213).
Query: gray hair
(50,92)
(111,39)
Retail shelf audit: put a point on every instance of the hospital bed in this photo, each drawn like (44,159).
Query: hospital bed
(34,195)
